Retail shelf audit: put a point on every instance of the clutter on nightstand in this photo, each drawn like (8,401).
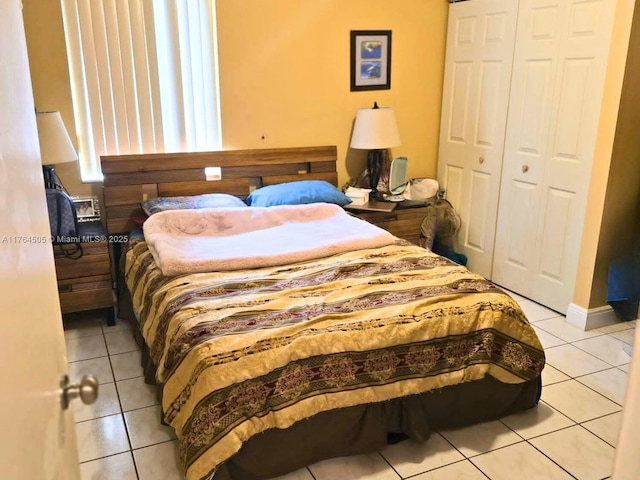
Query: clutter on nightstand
(358,196)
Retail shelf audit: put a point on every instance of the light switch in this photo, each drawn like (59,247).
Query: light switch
(212,173)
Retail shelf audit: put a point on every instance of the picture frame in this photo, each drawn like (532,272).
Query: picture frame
(370,60)
(87,208)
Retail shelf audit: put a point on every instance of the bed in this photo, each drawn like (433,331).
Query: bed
(263,370)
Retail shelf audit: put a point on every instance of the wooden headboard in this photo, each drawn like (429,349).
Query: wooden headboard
(131,179)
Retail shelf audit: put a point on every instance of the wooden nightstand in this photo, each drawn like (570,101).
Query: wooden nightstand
(401,222)
(85,283)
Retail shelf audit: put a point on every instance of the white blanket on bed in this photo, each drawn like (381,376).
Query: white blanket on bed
(205,240)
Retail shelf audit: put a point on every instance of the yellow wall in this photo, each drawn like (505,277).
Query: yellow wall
(616,144)
(284,74)
(50,78)
(621,209)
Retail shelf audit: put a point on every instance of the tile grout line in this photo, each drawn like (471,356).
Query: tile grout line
(131,450)
(384,459)
(522,440)
(103,457)
(601,394)
(591,373)
(571,377)
(452,446)
(100,356)
(554,462)
(596,435)
(575,424)
(593,355)
(479,469)
(124,421)
(439,467)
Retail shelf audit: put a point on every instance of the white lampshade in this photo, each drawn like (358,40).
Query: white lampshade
(375,128)
(55,144)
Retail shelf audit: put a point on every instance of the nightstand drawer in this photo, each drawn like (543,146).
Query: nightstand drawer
(79,300)
(403,223)
(85,293)
(377,217)
(84,283)
(85,266)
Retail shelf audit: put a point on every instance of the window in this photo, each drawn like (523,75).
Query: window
(144,77)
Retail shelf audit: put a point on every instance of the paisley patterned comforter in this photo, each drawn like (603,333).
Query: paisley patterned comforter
(245,351)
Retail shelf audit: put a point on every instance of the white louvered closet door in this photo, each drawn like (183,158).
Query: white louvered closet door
(559,67)
(480,42)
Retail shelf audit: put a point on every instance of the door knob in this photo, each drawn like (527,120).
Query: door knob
(481,159)
(87,390)
(525,168)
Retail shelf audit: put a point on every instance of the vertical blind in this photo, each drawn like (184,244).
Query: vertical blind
(144,77)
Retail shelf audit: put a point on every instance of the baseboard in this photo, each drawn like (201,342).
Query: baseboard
(592,318)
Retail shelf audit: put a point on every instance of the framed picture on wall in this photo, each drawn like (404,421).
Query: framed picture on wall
(370,60)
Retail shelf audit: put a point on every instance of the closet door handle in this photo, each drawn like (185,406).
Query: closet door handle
(525,168)
(481,159)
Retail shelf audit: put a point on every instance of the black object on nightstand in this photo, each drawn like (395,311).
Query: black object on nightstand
(84,282)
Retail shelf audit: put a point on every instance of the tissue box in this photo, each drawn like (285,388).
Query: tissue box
(358,200)
(358,196)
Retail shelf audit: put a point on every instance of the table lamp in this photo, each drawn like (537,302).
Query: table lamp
(375,129)
(55,146)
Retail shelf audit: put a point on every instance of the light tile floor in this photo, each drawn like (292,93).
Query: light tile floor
(570,435)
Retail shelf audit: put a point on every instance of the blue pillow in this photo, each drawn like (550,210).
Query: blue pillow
(297,193)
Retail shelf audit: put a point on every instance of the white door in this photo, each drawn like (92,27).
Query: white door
(559,69)
(38,437)
(480,41)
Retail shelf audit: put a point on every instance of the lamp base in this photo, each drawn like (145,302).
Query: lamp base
(375,164)
(376,197)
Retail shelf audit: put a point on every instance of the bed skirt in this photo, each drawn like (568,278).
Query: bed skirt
(368,428)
